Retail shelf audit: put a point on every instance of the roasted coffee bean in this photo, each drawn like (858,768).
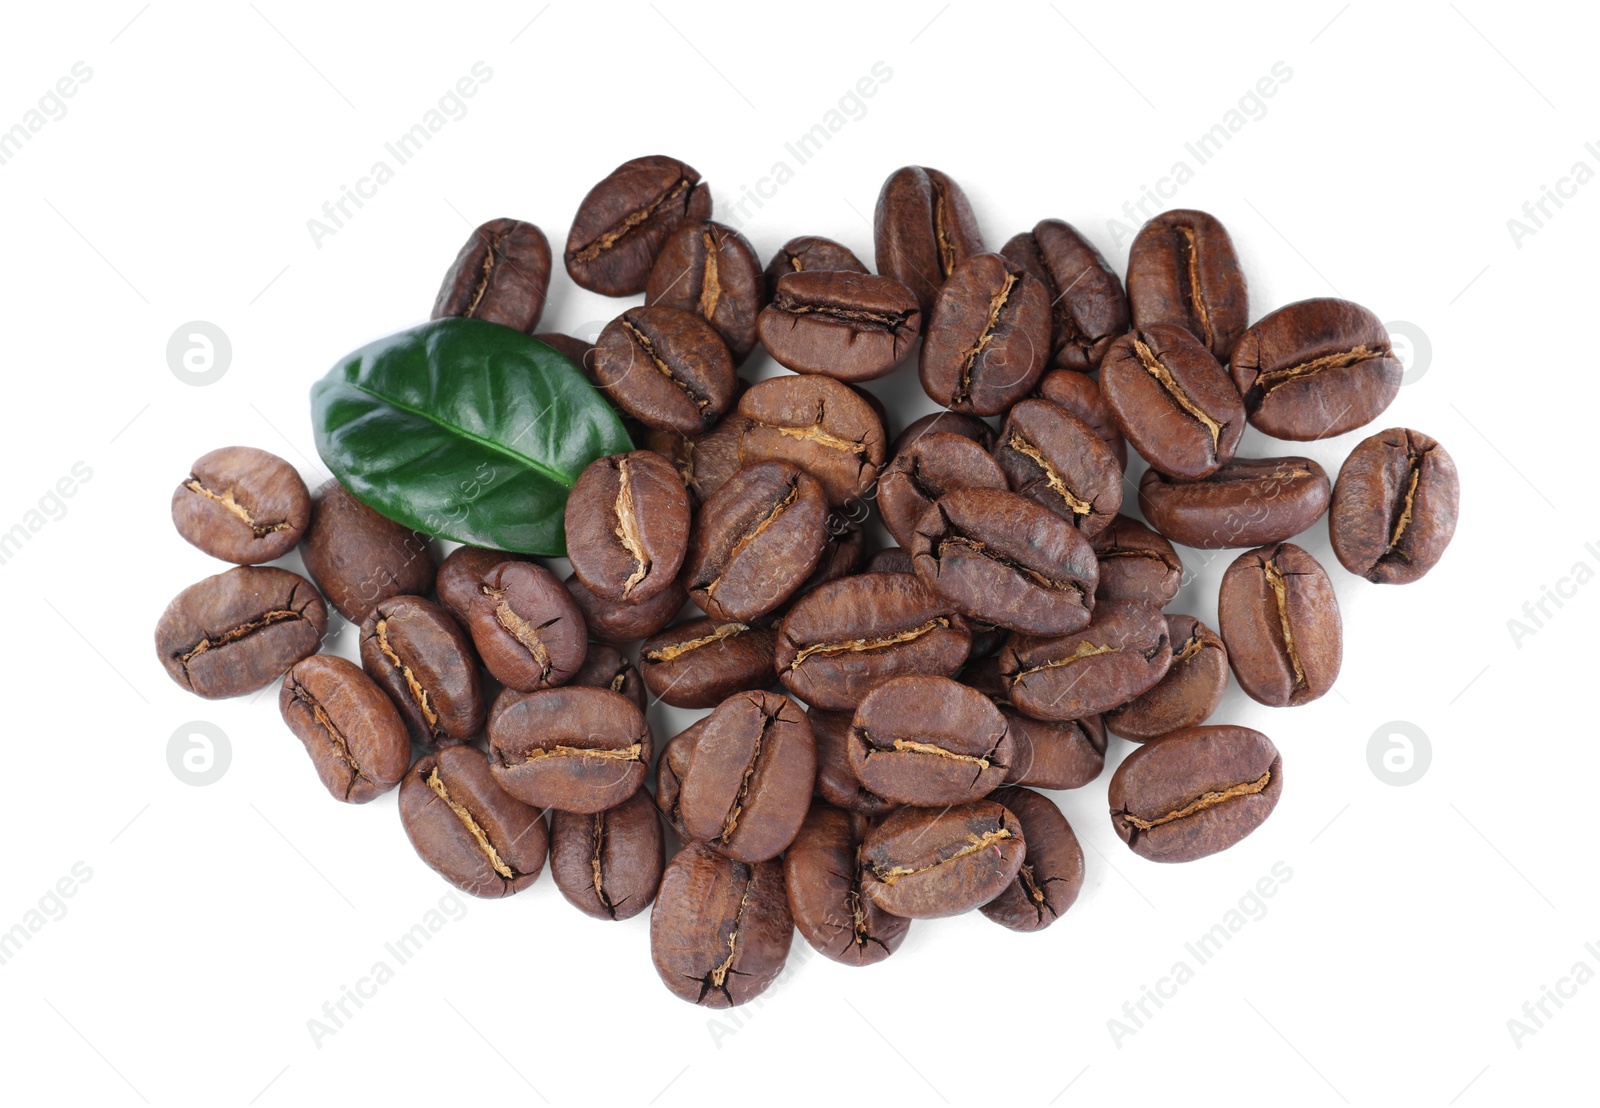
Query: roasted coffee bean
(922,229)
(1187,695)
(1047,754)
(527,628)
(712,271)
(1315,369)
(1136,564)
(627,524)
(842,553)
(700,663)
(837,782)
(576,351)
(612,622)
(1051,874)
(822,872)
(923,863)
(667,368)
(1123,652)
(819,424)
(1195,792)
(671,768)
(500,276)
(606,667)
(1248,502)
(929,741)
(1081,395)
(945,423)
(470,831)
(1087,305)
(357,557)
(461,574)
(1173,401)
(987,339)
(756,541)
(242,505)
(705,461)
(624,220)
(351,730)
(894,559)
(418,654)
(925,470)
(1394,507)
(1001,558)
(847,637)
(238,631)
(1279,617)
(1182,270)
(750,777)
(1056,460)
(810,254)
(721,928)
(572,749)
(608,864)
(853,326)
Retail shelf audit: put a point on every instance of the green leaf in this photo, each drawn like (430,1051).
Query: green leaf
(466,430)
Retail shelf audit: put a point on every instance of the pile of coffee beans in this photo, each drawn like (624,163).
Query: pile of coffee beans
(877,724)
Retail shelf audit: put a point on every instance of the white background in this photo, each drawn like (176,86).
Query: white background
(219,919)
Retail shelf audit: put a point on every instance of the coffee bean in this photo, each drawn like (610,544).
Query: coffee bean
(1195,792)
(810,254)
(1187,695)
(822,872)
(712,271)
(624,220)
(1002,558)
(527,628)
(819,424)
(942,423)
(987,339)
(500,276)
(357,557)
(842,553)
(1248,502)
(853,326)
(572,749)
(470,831)
(671,768)
(354,735)
(1182,270)
(1056,460)
(893,559)
(700,663)
(837,782)
(608,864)
(238,631)
(705,461)
(1315,369)
(461,574)
(1280,621)
(242,505)
(1123,652)
(1173,401)
(1048,754)
(667,368)
(922,229)
(576,351)
(923,863)
(925,470)
(750,777)
(929,741)
(721,928)
(1081,396)
(614,622)
(1394,507)
(606,667)
(1051,874)
(418,654)
(1087,305)
(1136,564)
(627,521)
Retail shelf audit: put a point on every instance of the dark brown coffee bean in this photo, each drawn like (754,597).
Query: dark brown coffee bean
(810,254)
(929,741)
(1173,401)
(700,663)
(461,574)
(894,559)
(612,622)
(1123,652)
(945,423)
(1182,270)
(751,776)
(576,351)
(238,631)
(500,276)
(842,553)
(418,655)
(987,339)
(1047,754)
(527,627)
(923,863)
(627,524)
(713,272)
(624,220)
(1315,369)
(853,326)
(470,831)
(671,768)
(242,505)
(925,470)
(922,229)
(572,749)
(822,872)
(819,424)
(1054,459)
(1136,564)
(608,864)
(1187,695)
(1280,620)
(1051,874)
(837,782)
(354,735)
(705,461)
(357,557)
(721,928)
(1081,395)
(666,368)
(1001,558)
(1394,507)
(1195,792)
(1087,304)
(1248,502)
(606,667)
